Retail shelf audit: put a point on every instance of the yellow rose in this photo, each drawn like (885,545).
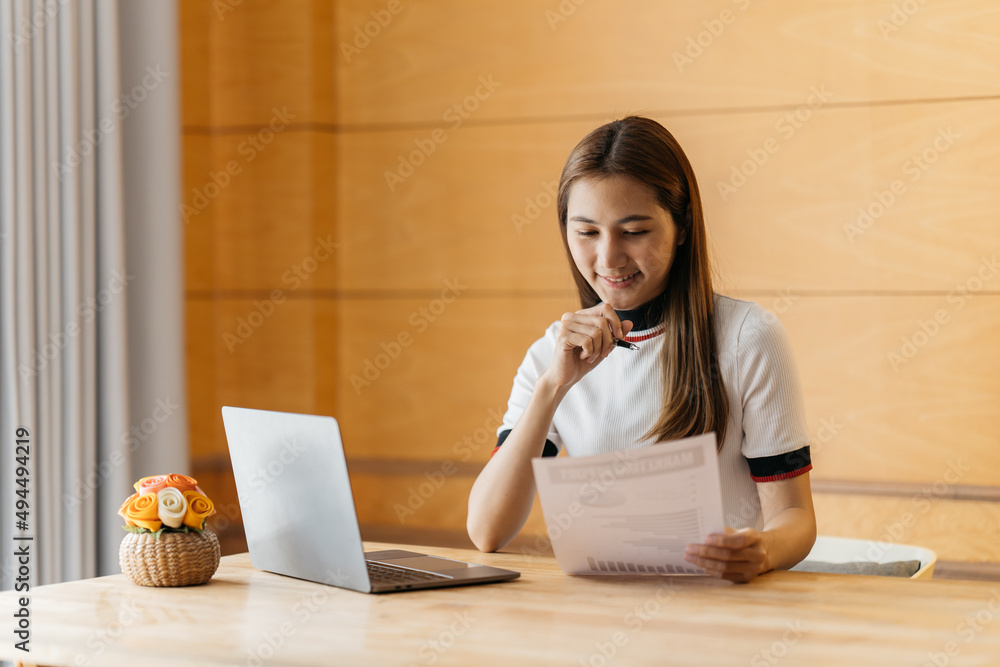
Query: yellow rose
(199,508)
(121,510)
(142,510)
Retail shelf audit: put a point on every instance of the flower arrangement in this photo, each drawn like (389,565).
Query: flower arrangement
(166,503)
(174,507)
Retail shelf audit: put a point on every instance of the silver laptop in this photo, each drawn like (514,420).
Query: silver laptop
(299,514)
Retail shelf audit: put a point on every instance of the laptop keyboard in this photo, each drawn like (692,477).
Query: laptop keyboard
(390,574)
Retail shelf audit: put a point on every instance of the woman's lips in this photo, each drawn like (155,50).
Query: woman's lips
(613,284)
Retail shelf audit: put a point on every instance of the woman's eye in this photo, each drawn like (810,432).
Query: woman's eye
(587,234)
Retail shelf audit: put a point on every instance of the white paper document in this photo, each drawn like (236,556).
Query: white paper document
(632,511)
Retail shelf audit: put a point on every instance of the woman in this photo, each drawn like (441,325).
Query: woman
(631,221)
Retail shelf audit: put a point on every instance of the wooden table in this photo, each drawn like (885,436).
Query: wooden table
(249,617)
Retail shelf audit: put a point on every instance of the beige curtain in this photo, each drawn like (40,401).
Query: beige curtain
(91,338)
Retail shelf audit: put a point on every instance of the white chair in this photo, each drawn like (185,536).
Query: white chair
(842,550)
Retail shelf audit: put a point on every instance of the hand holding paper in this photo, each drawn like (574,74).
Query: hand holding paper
(632,511)
(736,555)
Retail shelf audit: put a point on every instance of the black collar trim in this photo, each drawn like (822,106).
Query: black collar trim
(647,316)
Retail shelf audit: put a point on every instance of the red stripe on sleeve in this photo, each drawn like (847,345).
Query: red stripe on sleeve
(784,475)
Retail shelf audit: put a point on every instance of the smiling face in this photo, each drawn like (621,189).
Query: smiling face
(621,239)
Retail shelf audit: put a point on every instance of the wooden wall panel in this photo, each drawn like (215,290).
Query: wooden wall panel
(921,171)
(875,412)
(477,209)
(258,213)
(283,363)
(959,530)
(196,61)
(199,230)
(480,203)
(260,370)
(618,57)
(889,402)
(205,425)
(447,384)
(426,501)
(956,530)
(242,60)
(267,212)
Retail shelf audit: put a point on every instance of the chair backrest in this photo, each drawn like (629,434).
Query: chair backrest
(850,550)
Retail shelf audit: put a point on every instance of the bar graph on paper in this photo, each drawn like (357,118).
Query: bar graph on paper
(666,532)
(633,511)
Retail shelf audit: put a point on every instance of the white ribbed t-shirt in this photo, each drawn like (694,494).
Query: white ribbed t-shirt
(614,405)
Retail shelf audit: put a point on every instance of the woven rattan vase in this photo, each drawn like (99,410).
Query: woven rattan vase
(176,559)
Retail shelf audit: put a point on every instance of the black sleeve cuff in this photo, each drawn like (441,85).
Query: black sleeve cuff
(780,466)
(549,450)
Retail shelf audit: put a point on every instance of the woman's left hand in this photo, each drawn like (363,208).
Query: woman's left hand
(738,555)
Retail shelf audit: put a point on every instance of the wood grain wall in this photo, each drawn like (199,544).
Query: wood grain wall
(846,153)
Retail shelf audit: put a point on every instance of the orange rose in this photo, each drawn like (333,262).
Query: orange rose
(198,510)
(121,510)
(182,482)
(143,510)
(150,484)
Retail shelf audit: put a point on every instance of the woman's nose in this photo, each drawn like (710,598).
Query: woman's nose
(610,254)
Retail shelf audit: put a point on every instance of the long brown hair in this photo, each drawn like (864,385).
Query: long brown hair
(694,398)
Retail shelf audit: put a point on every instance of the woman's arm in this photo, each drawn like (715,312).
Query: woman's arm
(788,535)
(789,521)
(501,497)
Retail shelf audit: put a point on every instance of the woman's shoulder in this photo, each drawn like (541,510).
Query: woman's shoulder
(742,322)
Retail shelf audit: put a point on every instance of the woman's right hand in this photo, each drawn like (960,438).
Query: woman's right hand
(585,338)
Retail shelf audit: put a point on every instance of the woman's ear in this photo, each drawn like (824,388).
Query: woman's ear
(682,235)
(682,230)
